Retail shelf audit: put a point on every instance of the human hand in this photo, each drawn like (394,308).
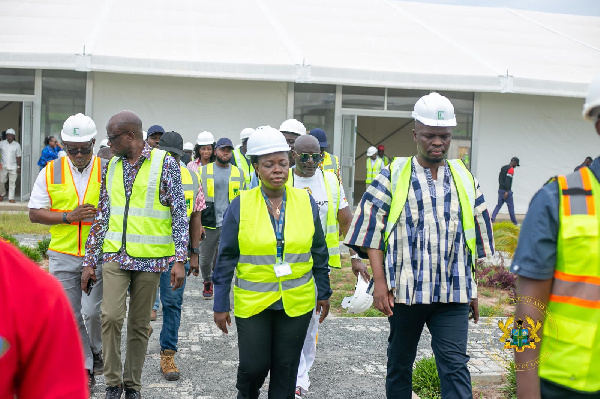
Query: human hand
(177,275)
(194,267)
(506,195)
(358,267)
(474,310)
(82,212)
(383,299)
(222,320)
(87,273)
(322,309)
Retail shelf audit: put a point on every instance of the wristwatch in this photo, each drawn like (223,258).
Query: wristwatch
(196,250)
(65,221)
(355,256)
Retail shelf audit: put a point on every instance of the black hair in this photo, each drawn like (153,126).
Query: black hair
(213,157)
(254,159)
(47,140)
(589,159)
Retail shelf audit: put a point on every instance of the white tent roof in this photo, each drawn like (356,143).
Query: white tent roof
(352,42)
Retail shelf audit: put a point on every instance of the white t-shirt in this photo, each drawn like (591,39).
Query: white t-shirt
(9,154)
(315,186)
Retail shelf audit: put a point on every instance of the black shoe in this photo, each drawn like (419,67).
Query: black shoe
(132,394)
(98,364)
(114,392)
(91,380)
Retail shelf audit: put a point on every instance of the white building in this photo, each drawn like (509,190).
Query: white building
(352,67)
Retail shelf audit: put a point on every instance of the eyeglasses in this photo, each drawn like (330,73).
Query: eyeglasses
(315,157)
(112,139)
(83,150)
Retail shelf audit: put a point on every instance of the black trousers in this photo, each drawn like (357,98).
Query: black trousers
(448,324)
(270,341)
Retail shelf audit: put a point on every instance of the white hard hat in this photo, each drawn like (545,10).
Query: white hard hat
(78,129)
(293,126)
(266,140)
(145,135)
(434,110)
(205,138)
(11,131)
(591,107)
(188,146)
(371,151)
(361,300)
(104,143)
(246,133)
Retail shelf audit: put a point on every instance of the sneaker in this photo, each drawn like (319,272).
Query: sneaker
(300,392)
(153,315)
(132,394)
(98,364)
(114,392)
(91,380)
(167,365)
(208,290)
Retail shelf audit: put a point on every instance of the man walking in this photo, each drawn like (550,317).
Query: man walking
(557,261)
(335,215)
(65,196)
(239,155)
(291,130)
(329,162)
(140,225)
(221,183)
(505,193)
(423,224)
(10,165)
(374,164)
(153,135)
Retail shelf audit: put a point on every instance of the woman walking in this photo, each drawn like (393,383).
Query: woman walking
(204,152)
(50,152)
(278,253)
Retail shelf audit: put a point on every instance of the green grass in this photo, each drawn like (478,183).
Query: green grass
(425,380)
(510,389)
(19,223)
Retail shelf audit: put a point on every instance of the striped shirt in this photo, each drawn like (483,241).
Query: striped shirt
(427,259)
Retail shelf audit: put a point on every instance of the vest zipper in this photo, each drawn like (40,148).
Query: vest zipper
(124,235)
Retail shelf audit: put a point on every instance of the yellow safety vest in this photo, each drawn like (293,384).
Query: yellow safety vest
(570,351)
(256,285)
(243,164)
(207,180)
(330,163)
(373,169)
(70,239)
(140,224)
(191,184)
(400,175)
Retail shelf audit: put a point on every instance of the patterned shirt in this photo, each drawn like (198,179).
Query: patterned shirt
(195,165)
(171,195)
(427,259)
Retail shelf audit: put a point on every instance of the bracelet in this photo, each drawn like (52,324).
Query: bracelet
(65,221)
(355,256)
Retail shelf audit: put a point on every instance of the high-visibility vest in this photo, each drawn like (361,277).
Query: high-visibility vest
(256,285)
(191,183)
(332,228)
(400,175)
(207,180)
(570,347)
(373,169)
(70,238)
(330,163)
(141,224)
(242,162)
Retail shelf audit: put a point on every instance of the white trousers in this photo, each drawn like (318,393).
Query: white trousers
(9,175)
(309,351)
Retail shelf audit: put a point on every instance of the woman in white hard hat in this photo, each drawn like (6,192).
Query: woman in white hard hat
(278,256)
(204,151)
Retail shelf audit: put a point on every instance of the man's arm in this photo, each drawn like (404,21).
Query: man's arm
(344,218)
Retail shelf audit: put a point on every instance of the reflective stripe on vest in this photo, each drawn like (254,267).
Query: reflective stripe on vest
(332,230)
(70,239)
(373,169)
(140,224)
(190,183)
(400,175)
(207,179)
(570,347)
(242,162)
(257,287)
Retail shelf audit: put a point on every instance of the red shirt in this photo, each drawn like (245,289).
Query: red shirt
(41,355)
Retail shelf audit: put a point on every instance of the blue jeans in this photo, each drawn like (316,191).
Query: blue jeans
(509,204)
(157,302)
(171,303)
(448,324)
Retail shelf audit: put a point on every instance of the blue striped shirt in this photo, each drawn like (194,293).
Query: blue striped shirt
(426,259)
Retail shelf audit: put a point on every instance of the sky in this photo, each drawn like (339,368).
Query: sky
(576,7)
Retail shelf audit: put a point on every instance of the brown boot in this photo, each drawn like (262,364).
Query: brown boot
(167,365)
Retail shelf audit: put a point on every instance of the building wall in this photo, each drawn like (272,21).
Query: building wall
(548,135)
(189,105)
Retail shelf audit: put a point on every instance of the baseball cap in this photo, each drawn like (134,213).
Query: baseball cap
(224,142)
(10,131)
(155,129)
(172,142)
(516,160)
(381,147)
(320,135)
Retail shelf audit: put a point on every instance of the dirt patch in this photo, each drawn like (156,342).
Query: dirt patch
(488,392)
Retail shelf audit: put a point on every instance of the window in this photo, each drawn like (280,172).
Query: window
(63,95)
(314,106)
(17,81)
(363,97)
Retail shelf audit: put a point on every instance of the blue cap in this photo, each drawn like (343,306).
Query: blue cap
(155,129)
(224,142)
(320,135)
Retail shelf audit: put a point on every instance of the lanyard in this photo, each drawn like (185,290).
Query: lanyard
(277,224)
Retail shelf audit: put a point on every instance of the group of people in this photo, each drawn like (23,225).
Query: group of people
(135,222)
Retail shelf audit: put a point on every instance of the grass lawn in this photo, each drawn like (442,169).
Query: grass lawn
(18,223)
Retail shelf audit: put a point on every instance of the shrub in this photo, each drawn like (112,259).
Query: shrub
(496,276)
(42,247)
(510,389)
(506,237)
(7,237)
(425,380)
(487,311)
(32,253)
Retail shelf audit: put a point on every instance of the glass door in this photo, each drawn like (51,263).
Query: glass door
(26,161)
(347,159)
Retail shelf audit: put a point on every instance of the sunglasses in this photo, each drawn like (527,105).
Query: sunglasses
(304,157)
(83,151)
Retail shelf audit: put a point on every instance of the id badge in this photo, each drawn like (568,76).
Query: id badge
(282,269)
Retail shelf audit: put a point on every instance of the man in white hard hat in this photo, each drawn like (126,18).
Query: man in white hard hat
(557,263)
(423,223)
(65,197)
(335,216)
(292,129)
(376,160)
(239,154)
(10,165)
